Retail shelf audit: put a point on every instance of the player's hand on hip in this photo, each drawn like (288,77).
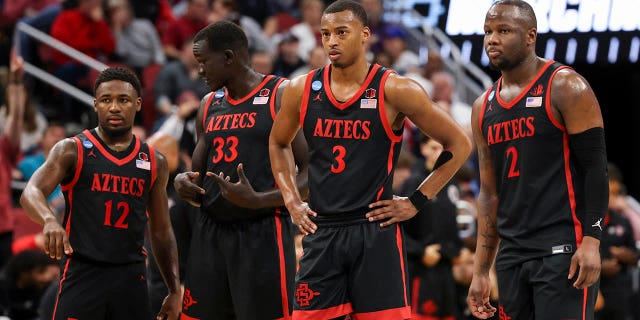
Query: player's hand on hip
(171,306)
(56,241)
(300,216)
(394,210)
(586,262)
(478,298)
(187,189)
(240,193)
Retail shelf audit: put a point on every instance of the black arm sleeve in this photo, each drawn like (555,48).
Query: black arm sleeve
(589,151)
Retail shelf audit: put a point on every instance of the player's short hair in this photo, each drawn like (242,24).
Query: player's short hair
(526,11)
(118,73)
(349,5)
(223,35)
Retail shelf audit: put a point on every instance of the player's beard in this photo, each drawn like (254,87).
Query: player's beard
(117,132)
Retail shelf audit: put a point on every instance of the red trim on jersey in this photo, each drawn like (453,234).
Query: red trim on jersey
(274,96)
(328,313)
(186,317)
(547,104)
(108,155)
(404,276)
(416,316)
(252,93)
(305,95)
(152,159)
(352,100)
(577,225)
(206,109)
(415,289)
(396,313)
(79,161)
(62,278)
(283,270)
(379,193)
(508,105)
(483,108)
(585,292)
(382,110)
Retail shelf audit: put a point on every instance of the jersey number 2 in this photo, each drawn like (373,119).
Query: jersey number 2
(123,208)
(225,149)
(338,152)
(512,153)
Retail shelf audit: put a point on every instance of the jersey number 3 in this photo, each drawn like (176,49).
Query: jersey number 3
(338,153)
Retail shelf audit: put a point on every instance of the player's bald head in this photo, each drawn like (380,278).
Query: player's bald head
(521,10)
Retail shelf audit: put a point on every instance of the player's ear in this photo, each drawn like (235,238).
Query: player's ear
(229,56)
(366,33)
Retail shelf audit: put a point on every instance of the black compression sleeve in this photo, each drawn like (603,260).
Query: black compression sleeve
(590,153)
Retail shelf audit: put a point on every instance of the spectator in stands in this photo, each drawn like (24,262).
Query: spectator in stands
(9,152)
(14,10)
(28,165)
(444,94)
(287,59)
(377,25)
(263,12)
(619,255)
(27,275)
(34,123)
(317,59)
(177,77)
(262,62)
(228,10)
(85,29)
(394,44)
(308,30)
(185,27)
(137,40)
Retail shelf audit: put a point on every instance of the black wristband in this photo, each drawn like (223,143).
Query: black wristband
(418,199)
(593,225)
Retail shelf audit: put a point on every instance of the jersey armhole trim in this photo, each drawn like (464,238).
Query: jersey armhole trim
(79,161)
(274,95)
(547,103)
(483,108)
(305,95)
(383,112)
(206,109)
(152,157)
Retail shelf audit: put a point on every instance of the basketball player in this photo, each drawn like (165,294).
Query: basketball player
(113,183)
(242,255)
(352,114)
(544,188)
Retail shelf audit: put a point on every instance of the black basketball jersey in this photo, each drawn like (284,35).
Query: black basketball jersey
(237,131)
(106,200)
(352,147)
(536,179)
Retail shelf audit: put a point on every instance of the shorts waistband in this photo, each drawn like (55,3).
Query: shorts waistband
(341,219)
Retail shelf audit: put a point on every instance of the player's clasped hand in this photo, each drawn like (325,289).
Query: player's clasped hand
(300,217)
(187,189)
(395,210)
(478,298)
(240,193)
(56,240)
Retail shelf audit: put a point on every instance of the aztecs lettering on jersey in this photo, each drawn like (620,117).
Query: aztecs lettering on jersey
(342,129)
(231,121)
(105,182)
(510,130)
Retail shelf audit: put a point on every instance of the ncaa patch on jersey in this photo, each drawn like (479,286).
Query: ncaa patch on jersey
(219,94)
(368,103)
(260,100)
(145,165)
(87,144)
(533,102)
(316,85)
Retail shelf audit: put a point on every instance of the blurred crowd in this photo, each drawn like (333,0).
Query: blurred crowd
(154,38)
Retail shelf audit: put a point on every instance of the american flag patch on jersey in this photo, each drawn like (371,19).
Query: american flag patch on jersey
(146,165)
(260,100)
(534,102)
(368,103)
